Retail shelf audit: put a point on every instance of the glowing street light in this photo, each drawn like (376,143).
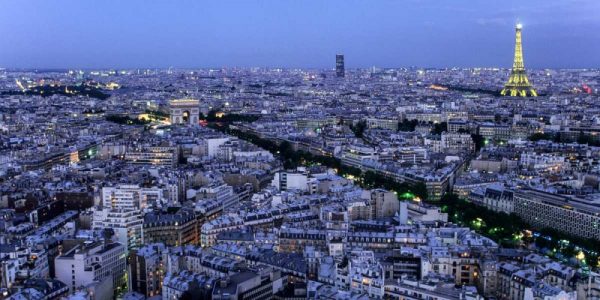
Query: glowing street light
(407,195)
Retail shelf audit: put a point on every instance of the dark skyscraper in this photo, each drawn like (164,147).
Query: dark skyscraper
(339,65)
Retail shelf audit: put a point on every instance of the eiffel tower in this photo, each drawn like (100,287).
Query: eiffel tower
(518,84)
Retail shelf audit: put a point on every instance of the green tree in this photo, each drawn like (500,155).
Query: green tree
(420,190)
(407,125)
(556,138)
(285,149)
(359,128)
(541,136)
(479,141)
(438,128)
(582,138)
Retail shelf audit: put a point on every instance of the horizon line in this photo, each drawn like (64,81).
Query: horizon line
(280,67)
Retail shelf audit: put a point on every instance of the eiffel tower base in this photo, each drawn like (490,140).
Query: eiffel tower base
(519,92)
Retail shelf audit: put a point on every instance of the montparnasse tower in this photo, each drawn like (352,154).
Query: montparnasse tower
(518,84)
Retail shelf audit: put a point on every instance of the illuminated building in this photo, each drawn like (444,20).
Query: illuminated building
(92,261)
(384,203)
(355,155)
(184,111)
(158,156)
(296,239)
(383,123)
(574,216)
(130,197)
(339,65)
(518,84)
(147,269)
(127,225)
(457,142)
(172,229)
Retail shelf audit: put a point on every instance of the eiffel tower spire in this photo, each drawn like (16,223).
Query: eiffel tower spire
(518,84)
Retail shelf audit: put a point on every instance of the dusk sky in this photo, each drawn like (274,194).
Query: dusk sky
(307,34)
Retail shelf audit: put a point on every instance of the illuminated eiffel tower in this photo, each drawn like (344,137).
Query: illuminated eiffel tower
(518,84)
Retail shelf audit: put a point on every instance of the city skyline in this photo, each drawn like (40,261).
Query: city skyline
(318,150)
(69,34)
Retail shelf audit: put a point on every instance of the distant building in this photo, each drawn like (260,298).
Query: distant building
(8,272)
(455,126)
(130,197)
(495,131)
(384,203)
(399,263)
(92,261)
(457,142)
(127,225)
(184,111)
(383,123)
(428,289)
(249,285)
(173,229)
(296,239)
(339,65)
(361,273)
(147,271)
(161,156)
(295,180)
(221,192)
(497,198)
(571,215)
(197,286)
(355,155)
(210,230)
(213,144)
